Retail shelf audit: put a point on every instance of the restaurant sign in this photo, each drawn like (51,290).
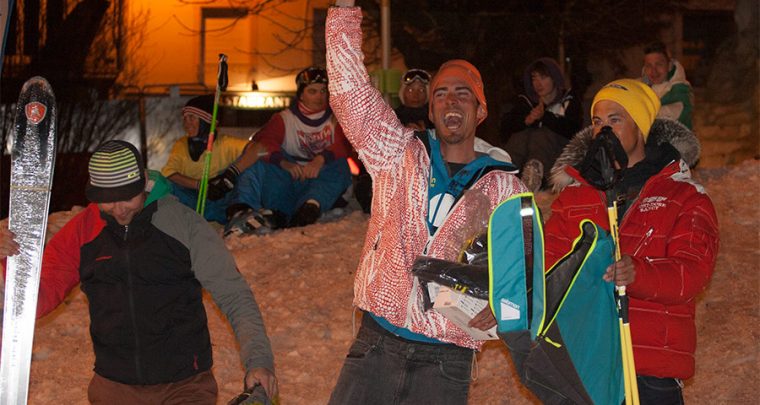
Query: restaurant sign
(255,100)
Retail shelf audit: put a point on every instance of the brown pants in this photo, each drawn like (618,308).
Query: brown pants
(198,389)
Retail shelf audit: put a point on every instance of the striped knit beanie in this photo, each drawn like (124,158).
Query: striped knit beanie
(116,173)
(201,106)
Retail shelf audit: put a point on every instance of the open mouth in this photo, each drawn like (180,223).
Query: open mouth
(453,120)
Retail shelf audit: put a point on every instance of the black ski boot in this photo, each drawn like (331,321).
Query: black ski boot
(245,220)
(307,214)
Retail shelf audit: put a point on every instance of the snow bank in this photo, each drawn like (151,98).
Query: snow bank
(303,281)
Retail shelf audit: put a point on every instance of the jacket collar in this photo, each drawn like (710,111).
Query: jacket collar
(663,131)
(139,222)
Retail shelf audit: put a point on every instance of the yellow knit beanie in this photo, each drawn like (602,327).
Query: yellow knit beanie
(635,97)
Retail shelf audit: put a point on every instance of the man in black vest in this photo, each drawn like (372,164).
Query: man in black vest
(143,261)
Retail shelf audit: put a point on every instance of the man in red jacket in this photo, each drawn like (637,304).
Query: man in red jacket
(668,227)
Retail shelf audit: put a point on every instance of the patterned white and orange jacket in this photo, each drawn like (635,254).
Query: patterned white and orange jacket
(400,167)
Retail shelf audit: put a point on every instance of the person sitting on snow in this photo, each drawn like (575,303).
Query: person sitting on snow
(413,113)
(305,170)
(543,120)
(414,96)
(143,259)
(668,228)
(419,181)
(668,80)
(184,168)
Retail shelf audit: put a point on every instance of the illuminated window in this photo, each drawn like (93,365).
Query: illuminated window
(227,31)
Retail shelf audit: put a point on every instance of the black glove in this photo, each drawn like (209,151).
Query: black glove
(598,166)
(254,395)
(222,184)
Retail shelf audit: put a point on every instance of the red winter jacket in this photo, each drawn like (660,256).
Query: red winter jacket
(671,232)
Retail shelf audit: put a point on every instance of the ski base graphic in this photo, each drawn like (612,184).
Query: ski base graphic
(32,162)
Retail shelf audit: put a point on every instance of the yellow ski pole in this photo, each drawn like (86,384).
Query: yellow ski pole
(610,176)
(626,344)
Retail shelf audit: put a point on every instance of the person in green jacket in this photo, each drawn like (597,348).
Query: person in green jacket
(668,80)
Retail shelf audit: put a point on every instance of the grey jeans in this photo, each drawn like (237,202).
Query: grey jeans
(382,368)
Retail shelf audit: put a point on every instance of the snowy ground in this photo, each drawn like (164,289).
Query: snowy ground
(303,280)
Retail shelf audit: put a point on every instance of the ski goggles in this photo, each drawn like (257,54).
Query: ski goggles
(311,75)
(415,74)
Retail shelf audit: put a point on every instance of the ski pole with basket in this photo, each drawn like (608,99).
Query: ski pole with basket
(221,85)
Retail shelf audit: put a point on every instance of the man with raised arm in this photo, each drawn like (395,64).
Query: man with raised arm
(402,353)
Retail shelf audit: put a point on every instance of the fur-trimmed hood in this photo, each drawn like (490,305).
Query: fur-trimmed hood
(662,131)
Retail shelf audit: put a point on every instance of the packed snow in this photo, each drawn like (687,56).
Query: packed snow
(303,281)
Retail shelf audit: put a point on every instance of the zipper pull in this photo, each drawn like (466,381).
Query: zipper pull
(644,241)
(427,244)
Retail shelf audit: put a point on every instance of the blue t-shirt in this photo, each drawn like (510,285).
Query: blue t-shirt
(448,181)
(403,332)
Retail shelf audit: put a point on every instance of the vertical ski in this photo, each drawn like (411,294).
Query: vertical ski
(32,163)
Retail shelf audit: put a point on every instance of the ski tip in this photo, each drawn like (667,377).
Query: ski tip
(37,81)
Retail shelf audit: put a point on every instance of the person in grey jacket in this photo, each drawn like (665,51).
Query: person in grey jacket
(142,260)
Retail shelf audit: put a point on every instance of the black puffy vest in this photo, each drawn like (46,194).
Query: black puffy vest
(148,323)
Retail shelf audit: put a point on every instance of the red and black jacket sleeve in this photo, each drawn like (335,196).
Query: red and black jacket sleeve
(61,259)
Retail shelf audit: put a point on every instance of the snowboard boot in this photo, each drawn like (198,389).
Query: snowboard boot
(340,203)
(307,214)
(251,222)
(533,175)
